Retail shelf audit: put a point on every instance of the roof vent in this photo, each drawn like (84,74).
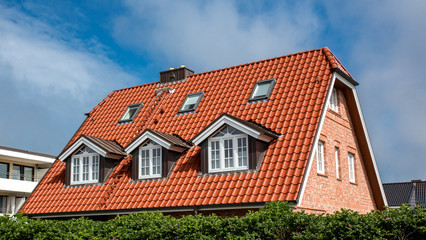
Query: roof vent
(175,74)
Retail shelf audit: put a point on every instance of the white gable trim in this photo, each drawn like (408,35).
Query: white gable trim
(315,143)
(231,122)
(142,138)
(339,78)
(77,144)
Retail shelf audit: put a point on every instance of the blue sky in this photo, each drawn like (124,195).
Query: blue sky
(58,59)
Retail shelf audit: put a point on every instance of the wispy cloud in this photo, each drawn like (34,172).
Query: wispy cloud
(51,75)
(213,34)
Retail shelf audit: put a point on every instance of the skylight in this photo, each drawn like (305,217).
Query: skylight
(191,102)
(131,112)
(262,90)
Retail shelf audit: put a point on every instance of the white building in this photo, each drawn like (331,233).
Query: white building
(20,171)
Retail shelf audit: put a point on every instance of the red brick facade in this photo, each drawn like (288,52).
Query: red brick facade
(326,192)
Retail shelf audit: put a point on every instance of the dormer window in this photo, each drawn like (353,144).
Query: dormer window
(191,102)
(228,150)
(85,166)
(334,104)
(232,144)
(262,90)
(90,160)
(150,160)
(154,154)
(130,113)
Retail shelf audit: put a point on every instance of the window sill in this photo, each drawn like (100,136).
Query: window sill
(353,183)
(335,113)
(322,175)
(72,185)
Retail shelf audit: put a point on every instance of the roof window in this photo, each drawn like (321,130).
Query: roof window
(262,90)
(131,112)
(191,102)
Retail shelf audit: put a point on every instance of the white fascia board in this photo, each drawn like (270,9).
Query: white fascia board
(142,138)
(315,143)
(76,145)
(231,122)
(370,148)
(26,156)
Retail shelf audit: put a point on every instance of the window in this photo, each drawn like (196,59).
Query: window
(228,150)
(22,173)
(334,104)
(336,156)
(150,160)
(191,102)
(351,166)
(85,166)
(320,157)
(4,170)
(262,89)
(130,113)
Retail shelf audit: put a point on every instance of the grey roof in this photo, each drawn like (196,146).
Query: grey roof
(412,193)
(250,124)
(28,152)
(111,147)
(175,140)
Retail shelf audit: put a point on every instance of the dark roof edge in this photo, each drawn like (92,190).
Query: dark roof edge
(27,152)
(160,209)
(346,76)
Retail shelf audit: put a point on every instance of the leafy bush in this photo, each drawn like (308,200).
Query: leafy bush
(275,221)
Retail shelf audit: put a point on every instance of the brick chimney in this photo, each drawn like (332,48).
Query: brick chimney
(175,74)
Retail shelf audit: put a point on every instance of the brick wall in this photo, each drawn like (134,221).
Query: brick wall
(326,192)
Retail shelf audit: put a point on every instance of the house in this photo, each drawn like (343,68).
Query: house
(412,193)
(226,141)
(20,171)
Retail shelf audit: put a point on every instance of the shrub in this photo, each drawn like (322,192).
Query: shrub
(275,221)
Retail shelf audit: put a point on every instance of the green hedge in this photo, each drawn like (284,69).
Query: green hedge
(275,221)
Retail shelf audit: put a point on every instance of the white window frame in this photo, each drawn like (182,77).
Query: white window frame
(337,158)
(351,167)
(235,157)
(150,147)
(334,103)
(80,158)
(320,158)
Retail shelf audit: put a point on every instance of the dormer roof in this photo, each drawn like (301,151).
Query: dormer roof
(105,148)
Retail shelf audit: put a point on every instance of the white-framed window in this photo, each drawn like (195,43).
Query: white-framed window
(334,104)
(336,156)
(320,158)
(351,166)
(228,150)
(150,160)
(85,166)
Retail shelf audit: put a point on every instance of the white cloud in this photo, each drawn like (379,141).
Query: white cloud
(38,56)
(213,34)
(48,80)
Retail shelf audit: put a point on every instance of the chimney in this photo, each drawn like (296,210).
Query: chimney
(175,74)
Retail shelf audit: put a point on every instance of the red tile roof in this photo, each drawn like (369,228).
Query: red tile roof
(292,111)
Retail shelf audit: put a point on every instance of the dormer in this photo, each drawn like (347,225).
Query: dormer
(231,144)
(90,160)
(154,154)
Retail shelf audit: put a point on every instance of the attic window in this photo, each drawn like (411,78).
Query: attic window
(262,90)
(334,104)
(85,166)
(131,112)
(191,102)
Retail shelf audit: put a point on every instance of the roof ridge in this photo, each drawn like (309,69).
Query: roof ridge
(263,60)
(334,61)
